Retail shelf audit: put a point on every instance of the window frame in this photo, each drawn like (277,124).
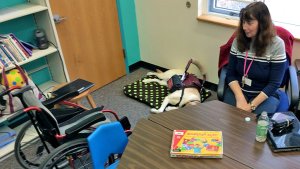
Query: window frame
(224,11)
(204,14)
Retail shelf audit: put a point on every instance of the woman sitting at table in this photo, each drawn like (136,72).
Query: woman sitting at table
(257,62)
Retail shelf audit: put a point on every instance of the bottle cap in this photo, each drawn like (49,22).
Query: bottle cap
(247,119)
(264,113)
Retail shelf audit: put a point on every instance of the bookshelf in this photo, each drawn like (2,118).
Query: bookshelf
(17,11)
(46,67)
(21,17)
(49,61)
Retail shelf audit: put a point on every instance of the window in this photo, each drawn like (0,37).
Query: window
(283,12)
(226,7)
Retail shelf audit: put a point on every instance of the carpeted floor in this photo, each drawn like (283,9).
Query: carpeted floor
(111,97)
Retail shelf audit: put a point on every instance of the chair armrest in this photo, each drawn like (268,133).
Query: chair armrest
(292,89)
(83,121)
(222,84)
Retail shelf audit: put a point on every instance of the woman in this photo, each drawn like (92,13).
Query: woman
(257,62)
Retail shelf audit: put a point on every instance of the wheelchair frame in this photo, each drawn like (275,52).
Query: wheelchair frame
(61,140)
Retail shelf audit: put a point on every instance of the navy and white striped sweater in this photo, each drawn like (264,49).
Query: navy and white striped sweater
(266,72)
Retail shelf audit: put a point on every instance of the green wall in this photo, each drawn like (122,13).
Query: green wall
(128,26)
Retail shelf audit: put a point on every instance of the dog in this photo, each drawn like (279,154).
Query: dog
(187,95)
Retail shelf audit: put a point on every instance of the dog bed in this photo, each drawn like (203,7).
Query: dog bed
(152,94)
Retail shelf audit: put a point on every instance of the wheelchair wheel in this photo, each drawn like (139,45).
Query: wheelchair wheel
(73,154)
(29,149)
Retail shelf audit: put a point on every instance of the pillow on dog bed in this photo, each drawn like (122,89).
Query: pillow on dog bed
(152,94)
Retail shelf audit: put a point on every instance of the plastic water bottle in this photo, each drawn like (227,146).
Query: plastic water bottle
(262,127)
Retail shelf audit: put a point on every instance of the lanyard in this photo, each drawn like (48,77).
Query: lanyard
(248,68)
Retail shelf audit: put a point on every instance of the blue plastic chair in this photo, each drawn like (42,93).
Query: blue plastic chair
(106,140)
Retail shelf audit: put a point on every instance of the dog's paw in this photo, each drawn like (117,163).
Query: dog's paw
(169,108)
(153,110)
(146,80)
(150,73)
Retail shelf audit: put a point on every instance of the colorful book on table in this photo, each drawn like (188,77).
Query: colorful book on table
(197,144)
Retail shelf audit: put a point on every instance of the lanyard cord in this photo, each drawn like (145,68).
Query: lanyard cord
(245,62)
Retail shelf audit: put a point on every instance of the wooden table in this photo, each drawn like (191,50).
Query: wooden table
(149,147)
(149,144)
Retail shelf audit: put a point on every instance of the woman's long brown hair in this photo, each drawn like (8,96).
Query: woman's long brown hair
(265,32)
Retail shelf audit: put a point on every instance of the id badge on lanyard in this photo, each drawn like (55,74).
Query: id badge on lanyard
(245,79)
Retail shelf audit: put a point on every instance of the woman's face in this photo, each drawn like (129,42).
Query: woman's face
(250,28)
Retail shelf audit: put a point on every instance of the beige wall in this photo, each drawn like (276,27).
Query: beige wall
(170,34)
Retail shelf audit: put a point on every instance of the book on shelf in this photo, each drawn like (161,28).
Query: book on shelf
(5,55)
(15,50)
(197,144)
(26,50)
(11,48)
(17,47)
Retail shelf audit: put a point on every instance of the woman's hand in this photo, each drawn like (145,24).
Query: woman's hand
(242,104)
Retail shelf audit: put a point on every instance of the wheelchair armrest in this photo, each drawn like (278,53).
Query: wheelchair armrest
(222,84)
(83,121)
(49,103)
(292,89)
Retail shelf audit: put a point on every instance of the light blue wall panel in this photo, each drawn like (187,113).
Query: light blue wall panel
(130,39)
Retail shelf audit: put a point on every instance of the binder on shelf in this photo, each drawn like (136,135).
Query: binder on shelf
(29,46)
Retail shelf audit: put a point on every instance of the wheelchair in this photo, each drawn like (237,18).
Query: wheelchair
(63,142)
(27,135)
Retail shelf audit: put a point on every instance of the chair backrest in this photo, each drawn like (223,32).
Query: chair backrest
(44,120)
(106,140)
(284,34)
